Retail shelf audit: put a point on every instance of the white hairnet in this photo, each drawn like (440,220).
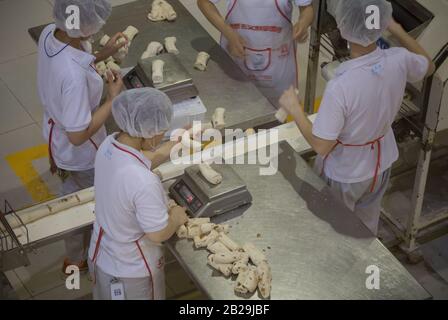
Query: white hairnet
(143,113)
(354,20)
(92,16)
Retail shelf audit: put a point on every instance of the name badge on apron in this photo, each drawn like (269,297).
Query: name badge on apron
(116,290)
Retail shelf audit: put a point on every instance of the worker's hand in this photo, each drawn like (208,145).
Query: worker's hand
(112,46)
(179,215)
(290,102)
(114,83)
(236,45)
(300,33)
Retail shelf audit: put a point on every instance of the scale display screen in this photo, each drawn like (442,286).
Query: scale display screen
(193,202)
(135,81)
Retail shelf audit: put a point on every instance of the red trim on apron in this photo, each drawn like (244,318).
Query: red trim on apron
(132,154)
(53,166)
(372,143)
(231,9)
(97,250)
(281,12)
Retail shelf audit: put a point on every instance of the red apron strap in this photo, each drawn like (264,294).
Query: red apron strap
(147,268)
(53,167)
(95,254)
(94,144)
(376,142)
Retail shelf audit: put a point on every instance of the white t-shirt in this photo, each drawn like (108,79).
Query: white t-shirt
(300,3)
(70,90)
(129,202)
(360,105)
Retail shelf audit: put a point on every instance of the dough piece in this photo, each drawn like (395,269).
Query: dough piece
(203,241)
(198,221)
(171,204)
(104,40)
(218,118)
(256,256)
(226,257)
(168,11)
(182,232)
(113,66)
(229,243)
(154,48)
(206,228)
(109,60)
(130,32)
(157,11)
(202,61)
(121,54)
(247,281)
(170,45)
(218,247)
(222,228)
(101,68)
(209,174)
(264,279)
(242,264)
(157,71)
(281,115)
(193,231)
(225,269)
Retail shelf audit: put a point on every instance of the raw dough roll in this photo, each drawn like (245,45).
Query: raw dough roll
(222,228)
(264,279)
(182,232)
(281,115)
(229,243)
(168,11)
(218,118)
(157,71)
(130,32)
(113,66)
(170,45)
(206,228)
(247,281)
(202,241)
(242,264)
(209,174)
(101,68)
(225,269)
(226,257)
(104,40)
(217,247)
(198,221)
(202,61)
(256,256)
(162,10)
(154,48)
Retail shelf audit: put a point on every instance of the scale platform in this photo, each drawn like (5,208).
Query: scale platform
(203,199)
(178,84)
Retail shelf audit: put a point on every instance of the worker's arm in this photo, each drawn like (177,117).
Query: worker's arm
(100,116)
(411,44)
(111,47)
(161,155)
(290,102)
(236,42)
(305,20)
(177,218)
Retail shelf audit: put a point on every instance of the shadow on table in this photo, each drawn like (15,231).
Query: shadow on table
(319,199)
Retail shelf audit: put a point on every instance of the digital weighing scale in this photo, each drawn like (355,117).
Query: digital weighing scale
(178,83)
(203,199)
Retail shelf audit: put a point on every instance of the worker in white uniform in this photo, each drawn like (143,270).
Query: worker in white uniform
(262,40)
(131,210)
(352,133)
(70,90)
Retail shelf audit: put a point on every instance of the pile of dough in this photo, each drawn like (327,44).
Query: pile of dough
(154,48)
(229,258)
(202,61)
(170,45)
(161,10)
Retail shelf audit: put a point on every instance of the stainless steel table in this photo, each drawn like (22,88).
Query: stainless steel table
(222,85)
(316,247)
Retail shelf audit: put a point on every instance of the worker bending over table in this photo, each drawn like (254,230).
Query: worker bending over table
(70,90)
(260,37)
(352,133)
(131,209)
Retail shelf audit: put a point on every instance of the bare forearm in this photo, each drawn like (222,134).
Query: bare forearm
(216,19)
(305,126)
(166,233)
(161,155)
(99,118)
(306,16)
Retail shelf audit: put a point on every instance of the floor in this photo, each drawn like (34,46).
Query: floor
(24,175)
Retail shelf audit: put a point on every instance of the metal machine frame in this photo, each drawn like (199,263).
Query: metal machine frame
(424,123)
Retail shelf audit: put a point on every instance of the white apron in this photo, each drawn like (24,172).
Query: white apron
(270,52)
